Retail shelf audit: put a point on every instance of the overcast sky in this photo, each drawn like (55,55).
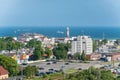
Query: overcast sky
(59,12)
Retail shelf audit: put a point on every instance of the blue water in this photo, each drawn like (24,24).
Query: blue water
(94,32)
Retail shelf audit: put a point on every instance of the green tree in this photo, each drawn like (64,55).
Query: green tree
(77,56)
(38,52)
(60,51)
(107,75)
(30,71)
(48,52)
(33,43)
(94,45)
(91,74)
(2,44)
(104,41)
(19,45)
(9,64)
(68,46)
(8,39)
(83,56)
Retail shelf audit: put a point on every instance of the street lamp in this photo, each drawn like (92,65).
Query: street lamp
(21,68)
(62,68)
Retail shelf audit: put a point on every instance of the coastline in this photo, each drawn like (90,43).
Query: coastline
(94,32)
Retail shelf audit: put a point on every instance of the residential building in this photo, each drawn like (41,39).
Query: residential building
(94,56)
(111,56)
(82,43)
(3,73)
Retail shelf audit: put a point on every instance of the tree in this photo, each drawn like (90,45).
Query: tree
(2,44)
(9,44)
(33,43)
(30,71)
(8,39)
(83,56)
(92,74)
(60,51)
(107,75)
(77,55)
(68,46)
(94,45)
(9,64)
(48,52)
(19,45)
(38,52)
(104,41)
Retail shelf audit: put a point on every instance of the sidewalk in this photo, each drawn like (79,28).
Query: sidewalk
(35,61)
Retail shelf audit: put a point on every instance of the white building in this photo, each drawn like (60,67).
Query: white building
(67,32)
(82,43)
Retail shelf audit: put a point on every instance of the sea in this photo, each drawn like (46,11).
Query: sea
(59,32)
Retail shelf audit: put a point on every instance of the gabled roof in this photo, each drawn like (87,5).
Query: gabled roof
(3,71)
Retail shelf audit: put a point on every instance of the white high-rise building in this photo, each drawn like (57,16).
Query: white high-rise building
(67,32)
(82,43)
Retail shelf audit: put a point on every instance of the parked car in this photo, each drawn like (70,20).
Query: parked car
(79,68)
(41,74)
(24,63)
(66,63)
(49,72)
(41,68)
(48,63)
(57,70)
(54,62)
(51,69)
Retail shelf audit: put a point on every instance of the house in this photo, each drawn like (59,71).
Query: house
(3,73)
(24,58)
(112,56)
(94,56)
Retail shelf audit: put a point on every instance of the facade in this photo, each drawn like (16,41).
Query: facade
(112,56)
(3,73)
(94,56)
(82,43)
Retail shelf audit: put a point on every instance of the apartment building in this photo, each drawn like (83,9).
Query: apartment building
(82,43)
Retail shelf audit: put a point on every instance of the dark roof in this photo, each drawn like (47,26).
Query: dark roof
(3,71)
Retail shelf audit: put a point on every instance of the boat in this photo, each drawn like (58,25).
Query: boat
(60,32)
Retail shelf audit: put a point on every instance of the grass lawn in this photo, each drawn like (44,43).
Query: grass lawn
(70,71)
(56,76)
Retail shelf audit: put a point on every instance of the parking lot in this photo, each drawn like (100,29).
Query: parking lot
(47,67)
(54,66)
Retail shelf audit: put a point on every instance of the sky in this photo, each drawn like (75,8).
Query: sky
(59,12)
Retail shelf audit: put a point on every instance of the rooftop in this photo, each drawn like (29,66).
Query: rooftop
(3,71)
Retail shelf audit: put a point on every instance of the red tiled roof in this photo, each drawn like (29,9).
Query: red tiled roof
(3,71)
